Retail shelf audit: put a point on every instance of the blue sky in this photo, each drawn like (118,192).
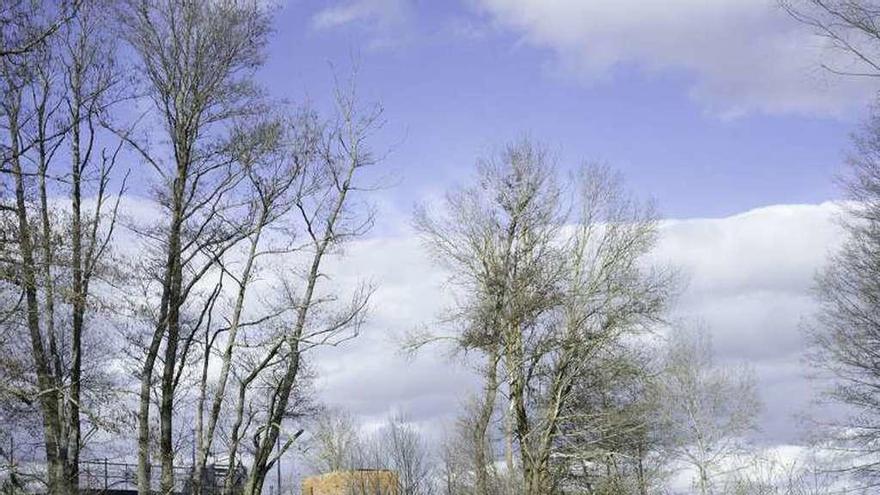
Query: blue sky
(716,109)
(457,81)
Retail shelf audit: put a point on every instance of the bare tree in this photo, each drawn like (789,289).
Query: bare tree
(330,215)
(272,155)
(850,26)
(458,460)
(609,438)
(491,237)
(769,474)
(409,457)
(845,332)
(335,442)
(198,59)
(54,95)
(546,291)
(607,295)
(400,447)
(26,25)
(705,409)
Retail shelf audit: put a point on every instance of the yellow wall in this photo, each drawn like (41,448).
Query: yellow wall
(361,482)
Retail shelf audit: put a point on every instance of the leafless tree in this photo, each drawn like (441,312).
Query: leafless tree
(456,454)
(609,438)
(845,333)
(25,25)
(400,447)
(768,474)
(331,213)
(850,26)
(455,472)
(54,94)
(705,409)
(548,284)
(272,155)
(198,59)
(335,442)
(476,238)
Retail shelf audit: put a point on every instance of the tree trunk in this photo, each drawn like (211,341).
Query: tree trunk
(205,441)
(162,325)
(282,393)
(166,404)
(481,426)
(79,295)
(49,389)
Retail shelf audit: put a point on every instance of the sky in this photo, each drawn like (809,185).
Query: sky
(711,108)
(717,110)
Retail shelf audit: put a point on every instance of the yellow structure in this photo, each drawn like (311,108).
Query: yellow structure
(356,482)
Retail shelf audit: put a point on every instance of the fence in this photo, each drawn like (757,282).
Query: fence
(105,476)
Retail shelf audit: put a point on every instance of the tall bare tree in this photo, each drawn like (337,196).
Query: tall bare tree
(272,155)
(55,93)
(546,291)
(607,294)
(330,214)
(491,237)
(845,332)
(54,97)
(198,59)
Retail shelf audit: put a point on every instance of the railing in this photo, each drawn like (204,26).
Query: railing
(105,476)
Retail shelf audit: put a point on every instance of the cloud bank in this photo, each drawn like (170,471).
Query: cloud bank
(749,282)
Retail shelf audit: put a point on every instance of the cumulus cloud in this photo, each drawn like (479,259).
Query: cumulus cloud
(749,282)
(739,55)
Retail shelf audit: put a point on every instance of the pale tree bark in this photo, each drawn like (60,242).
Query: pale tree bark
(60,102)
(198,58)
(330,217)
(271,176)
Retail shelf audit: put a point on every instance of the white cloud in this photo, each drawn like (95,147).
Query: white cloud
(386,21)
(739,55)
